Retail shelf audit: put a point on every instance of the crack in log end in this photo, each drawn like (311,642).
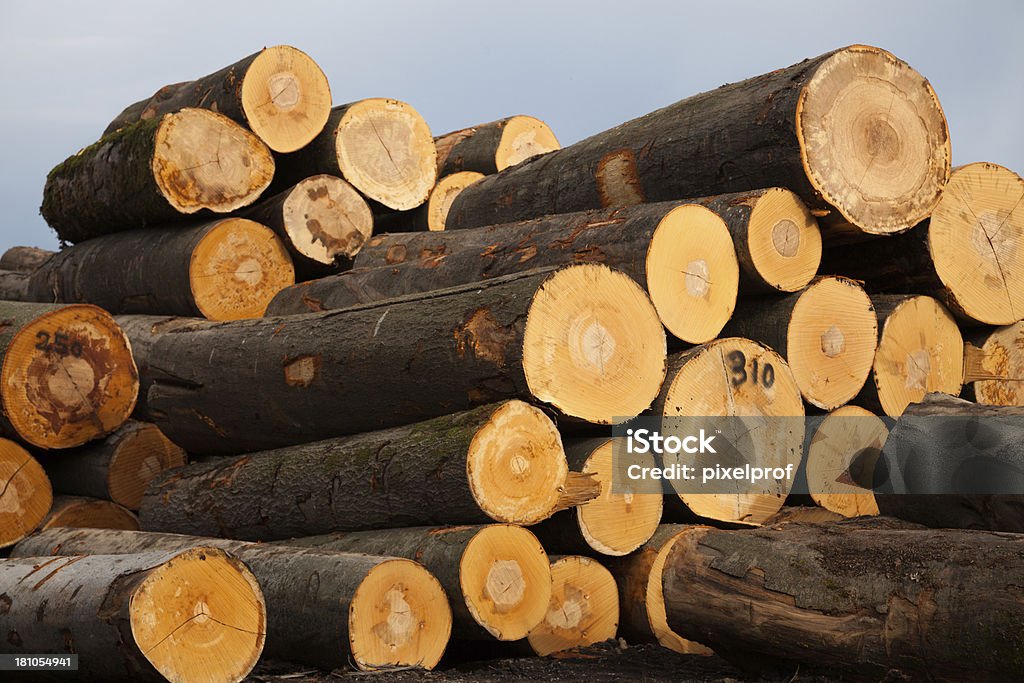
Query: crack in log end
(487,338)
(618,182)
(396,253)
(301,371)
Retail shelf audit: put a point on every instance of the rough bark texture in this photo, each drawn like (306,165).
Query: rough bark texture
(854,599)
(24,259)
(13,285)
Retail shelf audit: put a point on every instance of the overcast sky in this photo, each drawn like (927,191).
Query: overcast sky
(581,66)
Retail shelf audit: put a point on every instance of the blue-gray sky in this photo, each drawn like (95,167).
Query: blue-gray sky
(580,66)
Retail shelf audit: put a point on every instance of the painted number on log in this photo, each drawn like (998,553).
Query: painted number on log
(60,342)
(760,373)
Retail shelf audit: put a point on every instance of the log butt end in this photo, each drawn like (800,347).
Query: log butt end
(25,494)
(443,196)
(1002,357)
(584,607)
(784,240)
(141,453)
(523,137)
(89,513)
(326,219)
(841,458)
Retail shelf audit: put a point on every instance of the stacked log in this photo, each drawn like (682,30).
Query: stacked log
(26,496)
(584,607)
(841,459)
(491,147)
(430,216)
(996,369)
(88,513)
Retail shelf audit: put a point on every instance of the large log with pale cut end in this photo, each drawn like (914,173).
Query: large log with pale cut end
(225,270)
(638,577)
(279,93)
(840,462)
(856,133)
(68,376)
(324,608)
(432,215)
(501,462)
(118,612)
(382,147)
(995,367)
(322,221)
(24,259)
(852,599)
(920,350)
(584,340)
(827,333)
(614,523)
(156,172)
(584,607)
(682,253)
(26,496)
(966,256)
(89,513)
(491,147)
(753,386)
(497,577)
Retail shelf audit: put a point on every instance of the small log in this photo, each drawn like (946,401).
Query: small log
(856,133)
(738,378)
(382,147)
(920,350)
(491,147)
(859,602)
(228,269)
(89,513)
(584,340)
(279,93)
(67,376)
(156,172)
(497,577)
(997,369)
(322,221)
(25,497)
(143,331)
(681,253)
(24,259)
(639,580)
(584,607)
(117,469)
(190,615)
(432,215)
(841,458)
(324,608)
(827,333)
(611,524)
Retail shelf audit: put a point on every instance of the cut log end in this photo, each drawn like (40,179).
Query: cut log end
(505,580)
(326,219)
(286,98)
(443,196)
(655,600)
(584,607)
(203,160)
(976,241)
(921,351)
(616,523)
(1002,356)
(68,377)
(516,465)
(593,346)
(841,458)
(831,341)
(385,150)
(874,140)
(25,493)
(237,268)
(399,616)
(89,513)
(784,240)
(692,273)
(141,453)
(523,137)
(200,616)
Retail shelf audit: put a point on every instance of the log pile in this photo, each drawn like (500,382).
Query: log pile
(402,366)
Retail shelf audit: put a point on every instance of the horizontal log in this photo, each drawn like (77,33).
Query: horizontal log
(13,285)
(26,496)
(584,607)
(24,259)
(430,216)
(88,513)
(491,147)
(840,461)
(997,368)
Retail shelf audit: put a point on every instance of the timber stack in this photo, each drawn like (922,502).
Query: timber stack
(307,382)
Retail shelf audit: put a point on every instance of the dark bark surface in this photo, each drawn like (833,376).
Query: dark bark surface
(24,259)
(470,149)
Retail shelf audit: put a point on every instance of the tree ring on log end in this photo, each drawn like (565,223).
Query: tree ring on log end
(516,466)
(25,493)
(593,346)
(849,438)
(399,616)
(68,377)
(784,240)
(831,341)
(1003,357)
(584,607)
(443,196)
(326,219)
(692,273)
(976,241)
(237,268)
(165,610)
(506,580)
(521,138)
(385,150)
(202,160)
(142,452)
(873,139)
(286,98)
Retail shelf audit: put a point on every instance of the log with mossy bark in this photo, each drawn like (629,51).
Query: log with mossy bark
(852,599)
(156,172)
(184,615)
(497,577)
(89,513)
(856,133)
(368,610)
(26,496)
(491,147)
(584,340)
(279,93)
